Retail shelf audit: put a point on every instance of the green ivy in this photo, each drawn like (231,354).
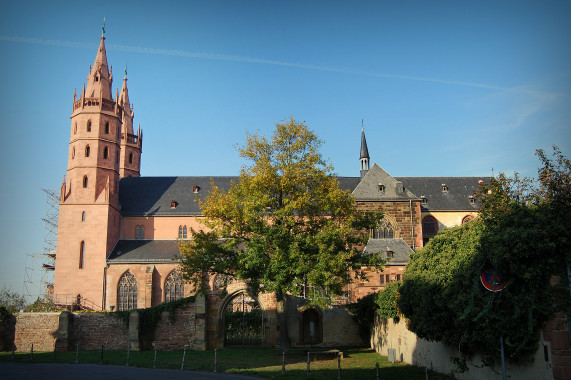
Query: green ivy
(150,317)
(386,301)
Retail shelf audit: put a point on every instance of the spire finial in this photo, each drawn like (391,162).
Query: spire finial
(362,127)
(125,77)
(103,28)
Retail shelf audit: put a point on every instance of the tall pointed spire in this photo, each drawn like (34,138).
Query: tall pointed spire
(99,80)
(364,152)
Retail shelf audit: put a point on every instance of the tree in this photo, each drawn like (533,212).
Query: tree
(284,224)
(11,300)
(523,232)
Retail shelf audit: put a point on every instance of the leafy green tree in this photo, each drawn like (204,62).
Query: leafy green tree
(523,233)
(386,301)
(11,300)
(284,224)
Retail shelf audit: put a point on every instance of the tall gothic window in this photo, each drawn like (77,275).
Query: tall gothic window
(107,127)
(182,232)
(174,287)
(85,181)
(127,292)
(105,152)
(385,231)
(130,158)
(89,126)
(87,151)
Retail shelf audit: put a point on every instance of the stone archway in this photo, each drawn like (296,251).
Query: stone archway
(241,320)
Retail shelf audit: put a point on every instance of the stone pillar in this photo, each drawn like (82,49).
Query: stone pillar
(64,330)
(134,330)
(200,323)
(149,286)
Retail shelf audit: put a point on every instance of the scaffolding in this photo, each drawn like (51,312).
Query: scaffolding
(39,269)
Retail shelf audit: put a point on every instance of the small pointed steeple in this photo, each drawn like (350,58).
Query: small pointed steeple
(364,152)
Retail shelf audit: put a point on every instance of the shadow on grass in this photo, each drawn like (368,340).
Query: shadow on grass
(358,363)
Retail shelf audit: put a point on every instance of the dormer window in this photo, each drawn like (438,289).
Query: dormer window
(390,253)
(173,204)
(195,189)
(381,187)
(472,199)
(444,188)
(423,200)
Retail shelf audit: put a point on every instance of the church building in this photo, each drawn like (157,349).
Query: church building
(118,232)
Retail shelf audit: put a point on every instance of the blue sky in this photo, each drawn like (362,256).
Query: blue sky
(445,88)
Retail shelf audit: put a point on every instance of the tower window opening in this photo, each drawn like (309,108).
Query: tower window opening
(107,128)
(81,254)
(87,151)
(89,126)
(73,153)
(83,216)
(75,128)
(130,158)
(85,181)
(105,152)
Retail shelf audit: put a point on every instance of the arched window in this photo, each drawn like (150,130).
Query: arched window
(84,181)
(130,158)
(107,127)
(182,232)
(311,326)
(73,153)
(467,218)
(89,126)
(174,287)
(140,232)
(429,228)
(105,152)
(87,151)
(83,216)
(385,231)
(81,254)
(127,292)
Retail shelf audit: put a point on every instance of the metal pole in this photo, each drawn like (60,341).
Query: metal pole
(377,366)
(215,354)
(426,372)
(76,353)
(503,358)
(127,365)
(339,367)
(155,359)
(32,353)
(308,369)
(183,355)
(101,361)
(283,363)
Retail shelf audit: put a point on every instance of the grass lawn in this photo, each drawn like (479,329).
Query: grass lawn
(357,363)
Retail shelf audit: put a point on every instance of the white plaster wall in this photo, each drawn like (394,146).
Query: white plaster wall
(436,356)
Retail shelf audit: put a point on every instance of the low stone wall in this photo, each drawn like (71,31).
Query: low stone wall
(89,331)
(93,330)
(437,356)
(39,329)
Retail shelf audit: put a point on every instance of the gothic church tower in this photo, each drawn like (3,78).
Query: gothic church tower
(89,214)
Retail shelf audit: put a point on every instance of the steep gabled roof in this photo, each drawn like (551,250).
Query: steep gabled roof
(401,250)
(392,189)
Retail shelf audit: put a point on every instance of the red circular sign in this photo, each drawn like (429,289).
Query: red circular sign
(492,280)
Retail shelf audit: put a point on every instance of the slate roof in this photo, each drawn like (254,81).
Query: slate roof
(457,198)
(144,251)
(401,250)
(368,188)
(152,196)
